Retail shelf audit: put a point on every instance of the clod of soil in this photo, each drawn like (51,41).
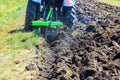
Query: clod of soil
(16,61)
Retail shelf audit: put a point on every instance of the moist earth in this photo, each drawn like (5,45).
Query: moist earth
(89,52)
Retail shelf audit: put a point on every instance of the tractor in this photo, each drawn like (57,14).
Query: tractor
(48,15)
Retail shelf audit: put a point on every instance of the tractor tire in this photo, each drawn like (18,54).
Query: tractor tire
(70,18)
(32,14)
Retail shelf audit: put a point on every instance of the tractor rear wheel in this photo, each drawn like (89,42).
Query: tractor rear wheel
(69,16)
(32,14)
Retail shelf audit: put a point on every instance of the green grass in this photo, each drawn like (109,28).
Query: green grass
(9,5)
(12,14)
(17,41)
(14,44)
(112,2)
(9,10)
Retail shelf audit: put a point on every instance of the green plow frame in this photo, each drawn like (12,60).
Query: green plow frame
(47,23)
(48,28)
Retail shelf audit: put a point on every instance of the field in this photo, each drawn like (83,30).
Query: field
(13,42)
(17,49)
(91,51)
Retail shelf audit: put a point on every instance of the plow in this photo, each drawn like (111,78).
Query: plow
(48,27)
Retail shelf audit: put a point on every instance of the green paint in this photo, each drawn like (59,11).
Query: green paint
(46,23)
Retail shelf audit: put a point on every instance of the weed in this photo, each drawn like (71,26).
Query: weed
(112,2)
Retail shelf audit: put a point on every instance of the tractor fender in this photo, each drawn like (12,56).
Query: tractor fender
(37,1)
(68,3)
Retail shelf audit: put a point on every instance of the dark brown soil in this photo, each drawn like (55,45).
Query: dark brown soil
(92,54)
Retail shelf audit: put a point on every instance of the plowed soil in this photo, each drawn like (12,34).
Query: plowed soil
(90,52)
